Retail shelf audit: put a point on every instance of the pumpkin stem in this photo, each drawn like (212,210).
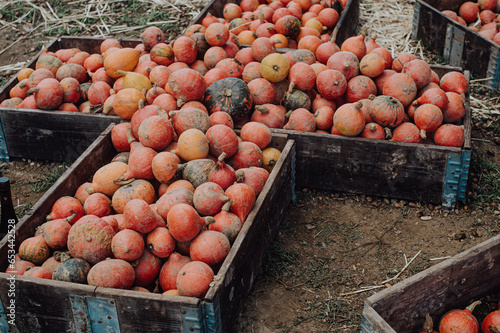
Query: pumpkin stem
(371,97)
(71,218)
(423,134)
(473,306)
(358,105)
(22,84)
(209,220)
(388,133)
(122,181)
(163,113)
(226,199)
(227,92)
(290,87)
(172,113)
(415,103)
(222,157)
(141,104)
(130,136)
(181,102)
(62,256)
(227,206)
(263,109)
(181,166)
(33,90)
(107,108)
(494,329)
(288,113)
(240,175)
(333,38)
(372,127)
(112,92)
(120,73)
(428,325)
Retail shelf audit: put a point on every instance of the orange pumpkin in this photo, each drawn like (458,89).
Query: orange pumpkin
(349,120)
(34,250)
(124,59)
(274,67)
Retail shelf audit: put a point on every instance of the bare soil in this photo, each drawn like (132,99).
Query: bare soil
(330,245)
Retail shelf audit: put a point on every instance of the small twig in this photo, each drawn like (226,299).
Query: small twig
(483,79)
(400,272)
(361,290)
(480,140)
(441,258)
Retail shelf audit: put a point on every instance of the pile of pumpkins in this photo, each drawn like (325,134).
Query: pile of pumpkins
(163,214)
(235,64)
(482,16)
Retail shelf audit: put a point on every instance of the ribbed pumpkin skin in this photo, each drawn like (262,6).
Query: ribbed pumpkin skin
(171,198)
(138,189)
(160,242)
(387,111)
(428,117)
(186,85)
(72,270)
(112,273)
(90,239)
(183,221)
(124,59)
(48,94)
(102,181)
(222,139)
(34,250)
(227,223)
(402,87)
(127,245)
(230,95)
(190,117)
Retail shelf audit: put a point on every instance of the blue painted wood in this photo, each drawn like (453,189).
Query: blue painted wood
(192,319)
(212,316)
(4,325)
(4,153)
(103,315)
(80,317)
(464,175)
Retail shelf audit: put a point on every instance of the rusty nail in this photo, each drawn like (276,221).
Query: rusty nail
(109,317)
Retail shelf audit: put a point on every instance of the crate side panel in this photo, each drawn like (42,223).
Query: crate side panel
(451,284)
(52,136)
(43,305)
(98,153)
(214,7)
(91,45)
(236,276)
(348,22)
(431,27)
(158,313)
(372,167)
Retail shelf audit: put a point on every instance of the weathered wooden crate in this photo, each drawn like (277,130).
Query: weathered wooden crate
(451,284)
(397,170)
(51,135)
(459,45)
(346,26)
(52,306)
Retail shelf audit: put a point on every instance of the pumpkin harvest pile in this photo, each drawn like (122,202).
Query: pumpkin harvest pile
(481,16)
(162,215)
(357,89)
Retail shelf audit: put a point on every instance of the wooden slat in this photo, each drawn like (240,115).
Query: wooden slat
(240,268)
(149,312)
(53,136)
(372,167)
(451,284)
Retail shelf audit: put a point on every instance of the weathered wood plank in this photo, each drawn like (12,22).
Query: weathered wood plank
(51,135)
(451,284)
(237,274)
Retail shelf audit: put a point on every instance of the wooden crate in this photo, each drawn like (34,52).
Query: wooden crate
(51,135)
(451,284)
(346,26)
(397,170)
(459,45)
(52,306)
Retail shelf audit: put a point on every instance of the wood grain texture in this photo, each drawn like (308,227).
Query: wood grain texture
(240,268)
(431,30)
(451,284)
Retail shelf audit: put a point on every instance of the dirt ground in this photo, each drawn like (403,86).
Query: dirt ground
(330,245)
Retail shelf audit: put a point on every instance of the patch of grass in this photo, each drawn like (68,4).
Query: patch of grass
(16,10)
(487,188)
(21,210)
(333,310)
(277,261)
(48,179)
(4,168)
